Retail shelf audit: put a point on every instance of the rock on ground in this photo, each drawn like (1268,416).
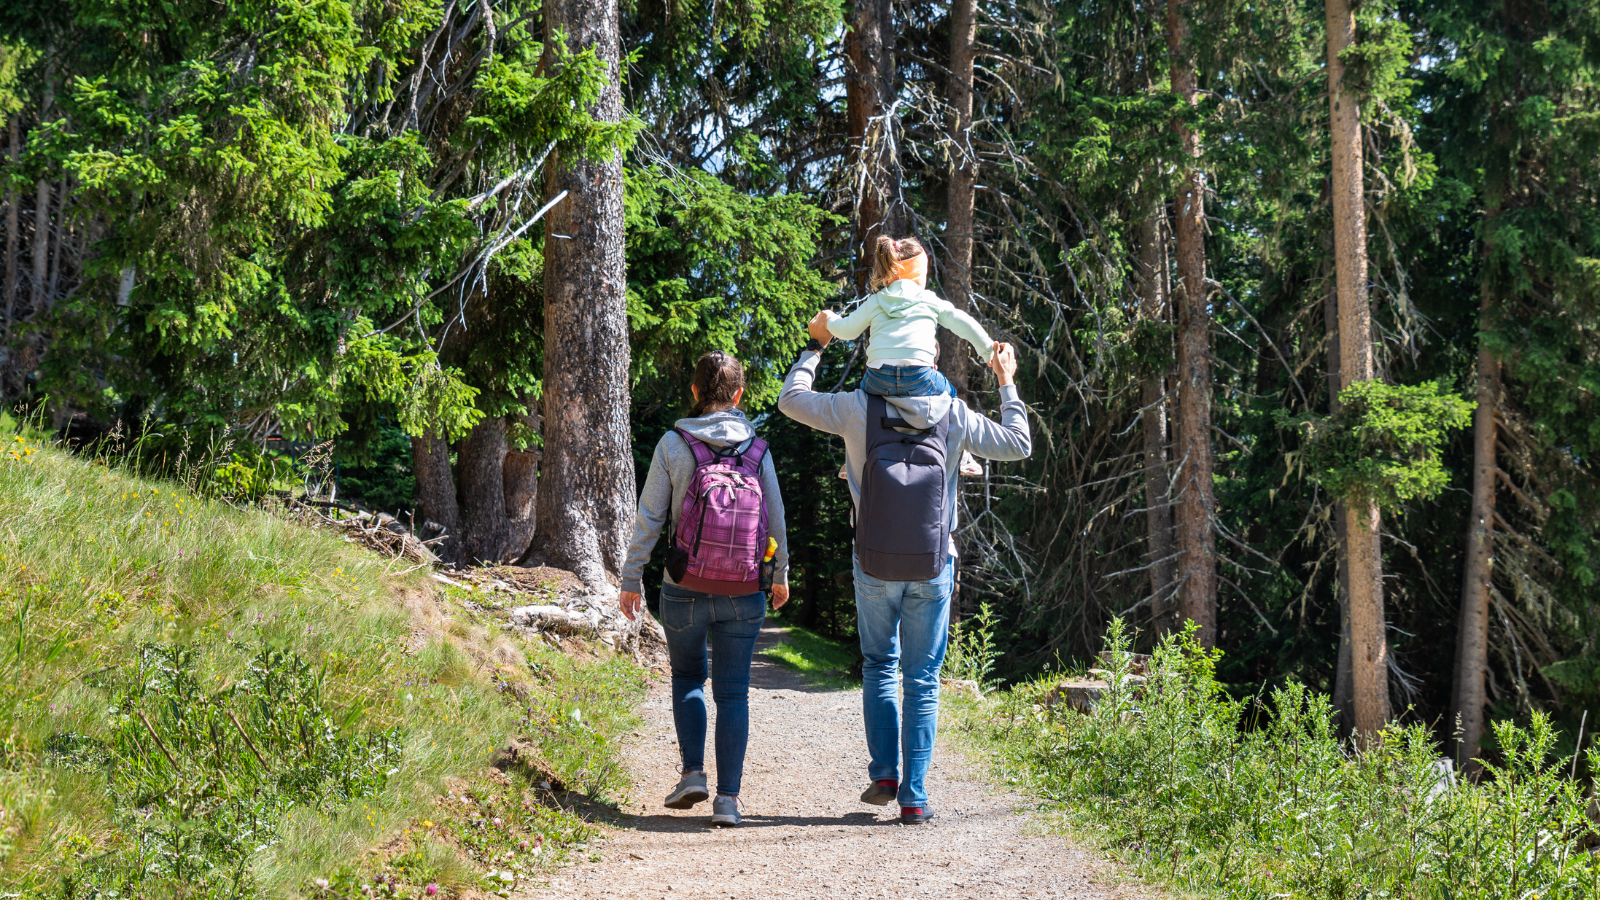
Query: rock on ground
(806,836)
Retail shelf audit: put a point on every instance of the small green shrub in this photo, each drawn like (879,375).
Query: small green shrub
(576,713)
(1384,442)
(1166,773)
(972,654)
(199,778)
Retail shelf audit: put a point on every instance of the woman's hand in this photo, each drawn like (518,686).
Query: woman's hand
(780,595)
(630,604)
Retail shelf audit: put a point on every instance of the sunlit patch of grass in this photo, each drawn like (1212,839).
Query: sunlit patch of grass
(171,663)
(820,659)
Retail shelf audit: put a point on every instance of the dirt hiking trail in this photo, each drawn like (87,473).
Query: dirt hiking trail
(806,836)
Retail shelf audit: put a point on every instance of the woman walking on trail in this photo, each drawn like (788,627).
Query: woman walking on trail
(717,481)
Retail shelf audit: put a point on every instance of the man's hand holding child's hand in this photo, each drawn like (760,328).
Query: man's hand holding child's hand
(818,328)
(1003,362)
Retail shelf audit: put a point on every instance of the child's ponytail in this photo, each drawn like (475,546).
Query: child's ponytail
(887,254)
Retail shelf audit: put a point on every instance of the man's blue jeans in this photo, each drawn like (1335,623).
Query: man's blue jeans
(732,623)
(903,624)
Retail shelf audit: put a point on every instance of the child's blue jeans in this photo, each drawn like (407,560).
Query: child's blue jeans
(906,381)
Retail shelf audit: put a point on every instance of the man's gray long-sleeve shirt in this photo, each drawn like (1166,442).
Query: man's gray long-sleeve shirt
(671,470)
(845,414)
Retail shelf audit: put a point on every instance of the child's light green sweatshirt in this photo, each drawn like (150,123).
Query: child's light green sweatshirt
(905,319)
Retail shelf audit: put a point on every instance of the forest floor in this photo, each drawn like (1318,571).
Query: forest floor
(806,835)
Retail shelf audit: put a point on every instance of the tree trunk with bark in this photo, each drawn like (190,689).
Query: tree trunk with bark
(12,220)
(954,358)
(1343,686)
(40,273)
(869,94)
(1472,638)
(1196,541)
(1368,640)
(520,486)
(480,463)
(1152,286)
(586,502)
(435,495)
(57,259)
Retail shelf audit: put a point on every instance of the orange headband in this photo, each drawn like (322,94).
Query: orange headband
(915,268)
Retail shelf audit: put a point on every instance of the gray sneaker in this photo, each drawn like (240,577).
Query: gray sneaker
(725,811)
(691,789)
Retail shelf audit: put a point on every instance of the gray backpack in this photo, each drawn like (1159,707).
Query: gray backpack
(903,523)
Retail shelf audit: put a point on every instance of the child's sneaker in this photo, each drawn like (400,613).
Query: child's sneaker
(970,466)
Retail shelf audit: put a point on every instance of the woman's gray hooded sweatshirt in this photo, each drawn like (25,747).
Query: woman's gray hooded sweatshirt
(671,469)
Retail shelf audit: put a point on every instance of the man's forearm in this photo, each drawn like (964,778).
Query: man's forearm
(802,374)
(1009,439)
(802,404)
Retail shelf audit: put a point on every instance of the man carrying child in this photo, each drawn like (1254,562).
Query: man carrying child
(904,433)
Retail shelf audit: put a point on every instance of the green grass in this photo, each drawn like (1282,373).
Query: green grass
(198,700)
(1172,779)
(820,659)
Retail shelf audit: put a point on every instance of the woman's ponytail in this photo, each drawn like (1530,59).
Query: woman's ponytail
(718,378)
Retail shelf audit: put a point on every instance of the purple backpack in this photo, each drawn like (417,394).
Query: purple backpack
(721,530)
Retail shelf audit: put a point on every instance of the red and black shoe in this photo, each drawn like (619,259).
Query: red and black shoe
(881,792)
(915,815)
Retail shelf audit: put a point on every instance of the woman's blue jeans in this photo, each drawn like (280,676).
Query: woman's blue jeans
(903,625)
(732,623)
(906,381)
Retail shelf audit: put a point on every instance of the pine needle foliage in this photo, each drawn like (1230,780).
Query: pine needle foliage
(1383,444)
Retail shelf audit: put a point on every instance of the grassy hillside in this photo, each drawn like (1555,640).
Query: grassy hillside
(199,701)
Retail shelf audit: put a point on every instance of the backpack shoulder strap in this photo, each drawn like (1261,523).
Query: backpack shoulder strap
(702,453)
(753,452)
(877,412)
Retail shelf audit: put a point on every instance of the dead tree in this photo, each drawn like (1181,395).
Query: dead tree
(1152,285)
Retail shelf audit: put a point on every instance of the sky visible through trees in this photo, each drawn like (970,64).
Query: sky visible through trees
(1309,329)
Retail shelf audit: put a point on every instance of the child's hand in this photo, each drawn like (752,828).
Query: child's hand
(818,328)
(1004,363)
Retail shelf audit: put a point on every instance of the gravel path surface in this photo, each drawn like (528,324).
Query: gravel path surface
(805,833)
